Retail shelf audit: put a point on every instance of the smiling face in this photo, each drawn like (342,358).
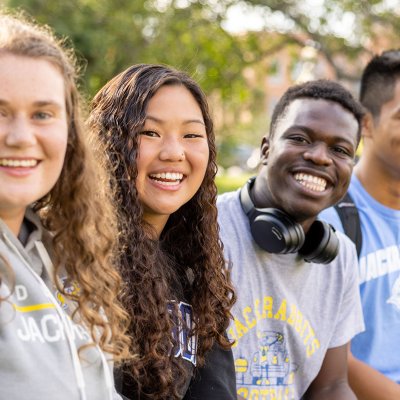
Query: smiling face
(309,159)
(33,133)
(173,154)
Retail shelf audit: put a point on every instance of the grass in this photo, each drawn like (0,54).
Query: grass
(227,183)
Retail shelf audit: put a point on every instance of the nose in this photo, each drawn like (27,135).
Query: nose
(318,153)
(172,150)
(20,133)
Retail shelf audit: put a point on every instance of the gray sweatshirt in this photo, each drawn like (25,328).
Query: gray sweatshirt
(38,341)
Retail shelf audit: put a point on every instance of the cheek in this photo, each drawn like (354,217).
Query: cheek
(57,146)
(200,161)
(346,171)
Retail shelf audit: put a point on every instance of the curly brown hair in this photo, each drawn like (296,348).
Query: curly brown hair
(78,211)
(189,244)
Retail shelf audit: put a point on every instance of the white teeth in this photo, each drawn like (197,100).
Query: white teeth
(311,182)
(171,177)
(4,162)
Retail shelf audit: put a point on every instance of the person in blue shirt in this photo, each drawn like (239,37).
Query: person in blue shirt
(374,360)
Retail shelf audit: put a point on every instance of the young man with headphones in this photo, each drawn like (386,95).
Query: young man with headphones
(298,302)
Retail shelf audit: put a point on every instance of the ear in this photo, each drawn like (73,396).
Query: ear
(264,150)
(367,125)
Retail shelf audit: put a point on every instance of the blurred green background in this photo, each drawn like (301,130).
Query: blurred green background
(244,53)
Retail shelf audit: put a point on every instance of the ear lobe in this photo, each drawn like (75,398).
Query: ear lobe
(367,126)
(264,150)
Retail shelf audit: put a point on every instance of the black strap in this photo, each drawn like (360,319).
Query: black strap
(350,218)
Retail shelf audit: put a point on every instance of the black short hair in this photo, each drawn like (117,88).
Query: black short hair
(378,81)
(321,89)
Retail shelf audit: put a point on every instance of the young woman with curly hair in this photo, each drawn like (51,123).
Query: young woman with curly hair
(60,319)
(156,125)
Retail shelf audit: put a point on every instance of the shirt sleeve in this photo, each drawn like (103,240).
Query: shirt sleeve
(216,379)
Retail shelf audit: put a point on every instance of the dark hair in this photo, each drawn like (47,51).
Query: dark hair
(322,89)
(378,81)
(78,210)
(189,244)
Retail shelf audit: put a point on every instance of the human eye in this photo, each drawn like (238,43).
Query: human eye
(194,135)
(149,133)
(5,111)
(342,151)
(297,138)
(42,115)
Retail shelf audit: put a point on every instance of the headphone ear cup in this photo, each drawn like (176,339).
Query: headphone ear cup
(274,231)
(321,244)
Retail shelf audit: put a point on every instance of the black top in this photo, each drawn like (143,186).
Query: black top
(216,380)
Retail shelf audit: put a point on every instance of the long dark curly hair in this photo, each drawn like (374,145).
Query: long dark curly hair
(78,211)
(189,253)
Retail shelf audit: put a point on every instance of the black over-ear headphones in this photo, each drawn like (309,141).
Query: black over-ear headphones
(276,232)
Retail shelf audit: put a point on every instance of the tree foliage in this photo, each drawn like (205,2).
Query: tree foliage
(190,35)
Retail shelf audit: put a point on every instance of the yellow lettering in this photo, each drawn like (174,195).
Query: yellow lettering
(281,314)
(254,394)
(299,320)
(304,327)
(313,347)
(264,393)
(292,317)
(240,328)
(252,323)
(244,392)
(310,334)
(256,310)
(267,307)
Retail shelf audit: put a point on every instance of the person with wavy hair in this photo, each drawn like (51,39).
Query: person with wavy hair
(156,125)
(59,287)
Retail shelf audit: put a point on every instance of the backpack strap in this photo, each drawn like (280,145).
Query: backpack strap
(350,218)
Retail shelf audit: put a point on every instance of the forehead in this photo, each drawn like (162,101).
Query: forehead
(319,115)
(393,105)
(33,79)
(173,97)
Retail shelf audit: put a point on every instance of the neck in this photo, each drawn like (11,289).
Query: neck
(157,222)
(13,220)
(381,183)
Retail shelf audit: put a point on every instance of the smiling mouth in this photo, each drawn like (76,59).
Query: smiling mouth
(311,182)
(167,178)
(10,163)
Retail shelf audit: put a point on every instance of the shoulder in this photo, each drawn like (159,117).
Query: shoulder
(227,198)
(228,205)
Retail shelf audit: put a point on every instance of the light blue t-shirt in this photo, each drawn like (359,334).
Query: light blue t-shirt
(379,278)
(288,313)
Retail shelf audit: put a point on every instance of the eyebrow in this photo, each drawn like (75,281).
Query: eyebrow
(40,103)
(187,121)
(309,131)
